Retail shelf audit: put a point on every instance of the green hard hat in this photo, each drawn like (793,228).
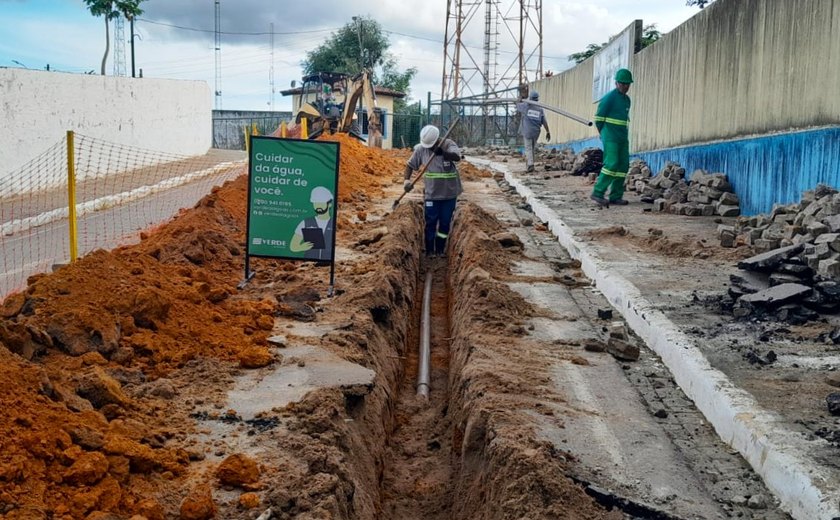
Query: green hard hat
(623,76)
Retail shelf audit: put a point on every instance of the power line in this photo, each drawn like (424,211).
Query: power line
(264,33)
(470,46)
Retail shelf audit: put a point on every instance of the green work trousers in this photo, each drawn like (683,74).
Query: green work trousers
(616,164)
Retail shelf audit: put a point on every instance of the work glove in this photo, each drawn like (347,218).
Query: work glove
(438,151)
(548,136)
(407,186)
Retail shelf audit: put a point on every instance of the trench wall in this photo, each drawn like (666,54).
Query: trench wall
(38,107)
(733,89)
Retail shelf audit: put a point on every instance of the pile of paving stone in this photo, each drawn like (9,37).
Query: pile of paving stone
(554,159)
(797,270)
(791,283)
(704,194)
(817,214)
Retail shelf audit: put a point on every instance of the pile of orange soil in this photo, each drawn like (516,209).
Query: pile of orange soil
(469,172)
(72,442)
(363,171)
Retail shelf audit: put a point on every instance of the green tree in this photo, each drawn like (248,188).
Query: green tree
(591,50)
(649,36)
(699,3)
(361,44)
(110,9)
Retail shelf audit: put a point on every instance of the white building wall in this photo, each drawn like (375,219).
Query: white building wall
(38,107)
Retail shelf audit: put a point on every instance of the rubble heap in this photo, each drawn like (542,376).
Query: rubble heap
(797,273)
(590,160)
(782,282)
(557,160)
(704,194)
(808,232)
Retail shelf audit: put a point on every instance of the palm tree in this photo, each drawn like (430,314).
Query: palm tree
(110,9)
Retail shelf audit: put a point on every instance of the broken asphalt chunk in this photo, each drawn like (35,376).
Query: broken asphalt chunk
(833,402)
(777,296)
(770,260)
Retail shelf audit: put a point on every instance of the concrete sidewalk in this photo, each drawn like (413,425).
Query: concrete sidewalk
(656,270)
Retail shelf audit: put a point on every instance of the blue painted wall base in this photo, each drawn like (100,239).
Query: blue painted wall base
(577,146)
(763,170)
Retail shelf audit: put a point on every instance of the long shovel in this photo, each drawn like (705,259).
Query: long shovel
(423,168)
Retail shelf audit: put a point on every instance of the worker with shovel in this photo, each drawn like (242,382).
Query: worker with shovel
(441,185)
(612,120)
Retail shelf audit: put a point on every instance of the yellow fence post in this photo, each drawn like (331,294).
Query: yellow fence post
(283,129)
(71,196)
(247,140)
(254,130)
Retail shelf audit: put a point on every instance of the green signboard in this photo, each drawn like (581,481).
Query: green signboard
(292,194)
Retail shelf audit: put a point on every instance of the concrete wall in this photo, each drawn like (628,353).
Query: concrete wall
(38,107)
(571,91)
(738,68)
(733,89)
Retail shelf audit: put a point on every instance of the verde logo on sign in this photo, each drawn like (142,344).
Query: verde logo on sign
(292,194)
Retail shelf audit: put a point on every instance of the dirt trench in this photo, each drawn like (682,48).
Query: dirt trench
(468,452)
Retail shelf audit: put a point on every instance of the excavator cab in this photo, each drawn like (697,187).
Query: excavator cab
(318,102)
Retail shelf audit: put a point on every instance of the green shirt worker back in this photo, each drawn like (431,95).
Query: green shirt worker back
(612,120)
(441,185)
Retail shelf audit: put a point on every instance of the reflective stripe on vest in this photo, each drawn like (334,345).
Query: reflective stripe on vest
(602,119)
(437,175)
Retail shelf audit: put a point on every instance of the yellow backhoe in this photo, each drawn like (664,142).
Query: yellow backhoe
(328,101)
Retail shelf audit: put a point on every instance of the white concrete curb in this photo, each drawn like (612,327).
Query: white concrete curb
(778,455)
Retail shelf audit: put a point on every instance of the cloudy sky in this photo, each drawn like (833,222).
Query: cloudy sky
(176,39)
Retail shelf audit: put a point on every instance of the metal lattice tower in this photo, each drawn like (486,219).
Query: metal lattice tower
(218,56)
(119,46)
(513,46)
(271,69)
(491,44)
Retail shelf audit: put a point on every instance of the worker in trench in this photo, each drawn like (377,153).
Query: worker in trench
(441,185)
(612,120)
(532,118)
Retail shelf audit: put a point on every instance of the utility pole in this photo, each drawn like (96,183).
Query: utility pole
(359,21)
(271,69)
(131,27)
(218,56)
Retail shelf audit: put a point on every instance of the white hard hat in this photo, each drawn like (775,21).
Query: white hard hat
(429,136)
(320,195)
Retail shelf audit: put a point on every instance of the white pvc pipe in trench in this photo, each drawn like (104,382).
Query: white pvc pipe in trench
(425,340)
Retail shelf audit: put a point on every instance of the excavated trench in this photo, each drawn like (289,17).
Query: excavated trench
(416,478)
(467,451)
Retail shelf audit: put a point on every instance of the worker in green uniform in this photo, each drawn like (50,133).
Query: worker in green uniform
(612,120)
